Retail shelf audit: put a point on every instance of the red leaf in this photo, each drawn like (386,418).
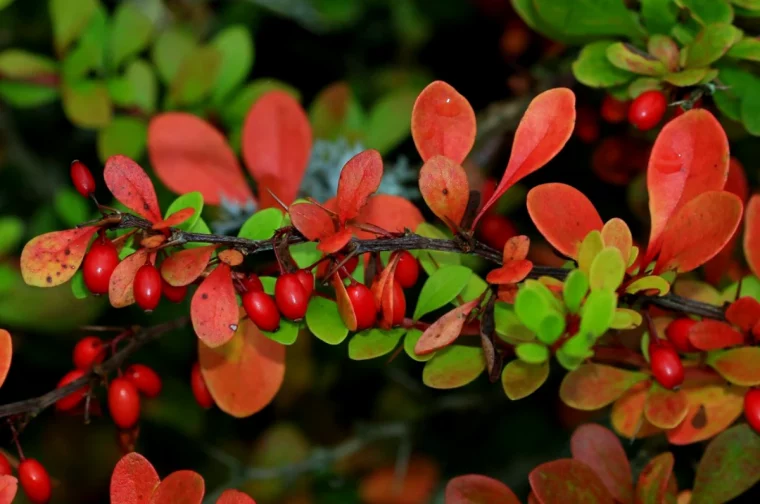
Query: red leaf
(180,487)
(665,408)
(416,486)
(616,233)
(654,478)
(389,212)
(714,335)
(627,416)
(698,231)
(512,272)
(345,307)
(214,309)
(184,267)
(445,330)
(744,313)
(311,221)
(382,289)
(568,480)
(443,123)
(120,292)
(174,219)
(444,187)
(8,489)
(516,248)
(563,215)
(335,242)
(477,489)
(188,154)
(133,480)
(359,178)
(713,406)
(234,497)
(6,352)
(543,131)
(689,157)
(600,449)
(752,234)
(593,386)
(53,258)
(129,184)
(276,144)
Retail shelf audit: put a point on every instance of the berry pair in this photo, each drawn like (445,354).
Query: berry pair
(124,394)
(292,292)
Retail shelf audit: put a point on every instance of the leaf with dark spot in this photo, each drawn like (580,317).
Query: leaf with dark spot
(52,253)
(214,314)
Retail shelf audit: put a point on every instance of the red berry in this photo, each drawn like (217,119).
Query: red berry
(291,296)
(363,303)
(647,110)
(494,230)
(172,293)
(123,403)
(262,310)
(147,287)
(82,178)
(35,481)
(252,283)
(399,304)
(752,408)
(98,265)
(407,270)
(144,379)
(200,390)
(88,351)
(613,110)
(5,466)
(678,334)
(75,397)
(667,367)
(306,278)
(586,125)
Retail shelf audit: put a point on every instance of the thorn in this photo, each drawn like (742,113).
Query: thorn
(278,200)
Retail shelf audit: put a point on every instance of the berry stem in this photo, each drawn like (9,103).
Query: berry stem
(15,440)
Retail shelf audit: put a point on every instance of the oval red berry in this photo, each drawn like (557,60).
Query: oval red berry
(494,230)
(291,297)
(307,280)
(647,110)
(399,304)
(98,265)
(613,110)
(147,287)
(252,283)
(5,466)
(200,390)
(172,293)
(88,351)
(144,379)
(123,403)
(262,310)
(363,304)
(752,408)
(35,481)
(82,178)
(407,270)
(71,400)
(677,333)
(667,367)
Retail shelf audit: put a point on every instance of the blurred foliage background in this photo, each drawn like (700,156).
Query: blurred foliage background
(91,74)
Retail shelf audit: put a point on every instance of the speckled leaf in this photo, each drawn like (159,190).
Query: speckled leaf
(653,479)
(713,406)
(214,308)
(52,258)
(445,330)
(665,408)
(740,366)
(120,292)
(627,416)
(568,480)
(129,184)
(454,366)
(359,178)
(478,489)
(374,343)
(520,379)
(444,187)
(601,450)
(714,335)
(184,267)
(180,487)
(133,480)
(9,484)
(593,386)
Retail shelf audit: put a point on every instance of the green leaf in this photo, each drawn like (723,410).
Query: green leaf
(431,260)
(144,86)
(520,379)
(740,83)
(235,45)
(628,57)
(607,270)
(454,366)
(574,290)
(89,54)
(19,64)
(747,48)
(709,11)
(710,45)
(664,49)
(626,319)
(441,288)
(171,48)
(5,3)
(87,104)
(578,346)
(659,16)
(24,95)
(410,340)
(69,18)
(373,343)
(125,252)
(202,228)
(286,334)
(597,312)
(336,112)
(120,90)
(78,287)
(551,328)
(192,200)
(729,467)
(596,18)
(11,232)
(71,207)
(531,308)
(130,33)
(686,78)
(125,135)
(324,321)
(594,69)
(262,224)
(641,85)
(235,110)
(567,361)
(195,76)
(527,11)
(684,34)
(750,113)
(388,124)
(508,325)
(305,254)
(475,287)
(591,245)
(532,353)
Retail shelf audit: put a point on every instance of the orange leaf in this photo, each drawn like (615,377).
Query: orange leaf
(245,374)
(184,267)
(129,184)
(234,497)
(627,415)
(744,313)
(445,330)
(600,449)
(188,154)
(151,242)
(380,283)
(689,157)
(563,215)
(311,221)
(133,480)
(616,233)
(8,488)
(512,272)
(740,366)
(335,242)
(52,258)
(443,123)
(6,352)
(120,292)
(654,478)
(712,408)
(174,219)
(714,335)
(665,408)
(416,487)
(214,309)
(752,234)
(345,308)
(444,187)
(593,386)
(276,144)
(389,212)
(568,480)
(516,248)
(231,257)
(477,489)
(543,131)
(698,231)
(180,487)
(359,178)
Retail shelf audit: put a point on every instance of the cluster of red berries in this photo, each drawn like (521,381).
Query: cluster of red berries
(32,476)
(292,292)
